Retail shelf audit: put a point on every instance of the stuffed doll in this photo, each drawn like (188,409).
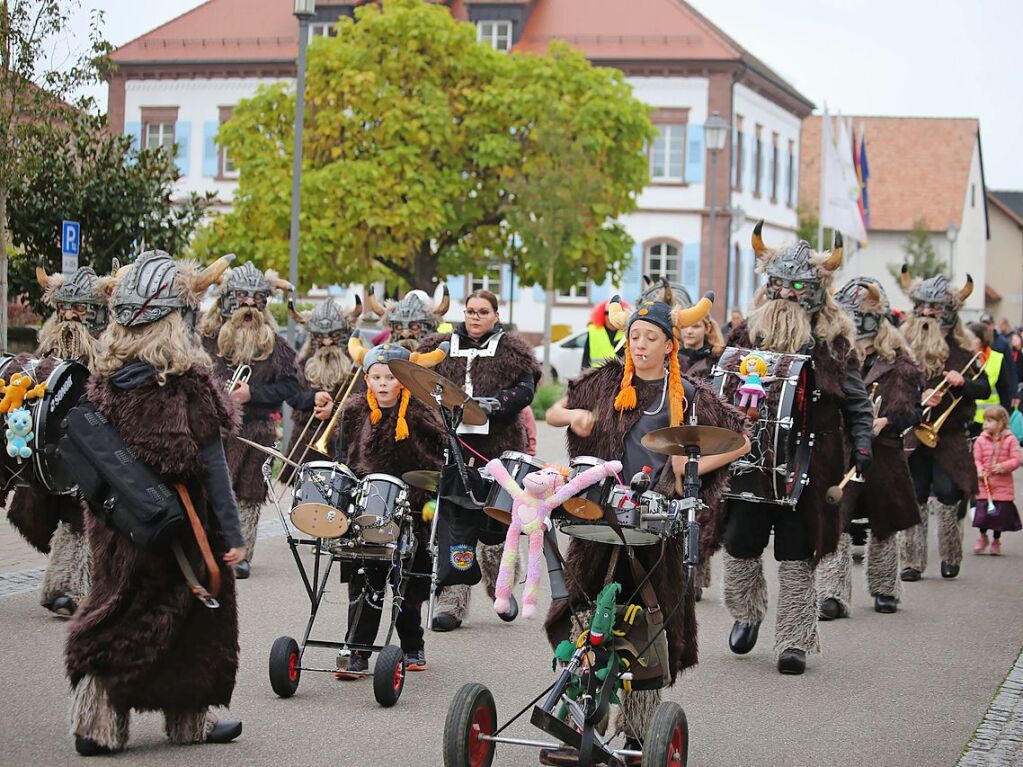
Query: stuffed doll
(19,433)
(541,492)
(18,390)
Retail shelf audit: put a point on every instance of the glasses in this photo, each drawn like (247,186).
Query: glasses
(77,308)
(336,336)
(414,326)
(797,285)
(478,315)
(244,298)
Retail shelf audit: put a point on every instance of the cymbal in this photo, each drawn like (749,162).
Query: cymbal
(421,382)
(424,480)
(712,440)
(268,451)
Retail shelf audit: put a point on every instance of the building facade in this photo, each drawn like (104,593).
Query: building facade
(1005,256)
(178,83)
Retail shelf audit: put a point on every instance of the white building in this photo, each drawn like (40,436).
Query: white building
(177,83)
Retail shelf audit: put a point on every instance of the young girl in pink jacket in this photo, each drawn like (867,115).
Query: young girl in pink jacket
(996,454)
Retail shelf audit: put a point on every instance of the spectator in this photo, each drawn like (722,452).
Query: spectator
(1004,327)
(1016,354)
(999,372)
(603,341)
(734,318)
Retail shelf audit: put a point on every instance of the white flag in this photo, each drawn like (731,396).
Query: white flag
(840,187)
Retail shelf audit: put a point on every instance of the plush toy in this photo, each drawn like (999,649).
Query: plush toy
(541,492)
(18,390)
(752,370)
(19,433)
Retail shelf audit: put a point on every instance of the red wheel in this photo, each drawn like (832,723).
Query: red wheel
(472,713)
(667,737)
(285,666)
(389,676)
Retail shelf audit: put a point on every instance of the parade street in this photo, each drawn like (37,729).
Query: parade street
(903,689)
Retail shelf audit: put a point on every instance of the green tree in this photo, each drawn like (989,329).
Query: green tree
(78,170)
(921,258)
(808,226)
(413,162)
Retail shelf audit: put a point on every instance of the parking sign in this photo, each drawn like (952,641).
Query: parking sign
(70,241)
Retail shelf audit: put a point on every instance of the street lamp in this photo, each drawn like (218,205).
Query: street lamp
(951,234)
(715,135)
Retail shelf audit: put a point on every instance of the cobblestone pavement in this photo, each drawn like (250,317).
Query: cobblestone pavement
(998,742)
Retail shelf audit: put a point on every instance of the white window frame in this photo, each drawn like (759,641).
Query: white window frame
(496,32)
(165,131)
(663,174)
(577,294)
(490,280)
(662,256)
(321,29)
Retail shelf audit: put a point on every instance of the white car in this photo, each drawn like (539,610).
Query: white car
(566,355)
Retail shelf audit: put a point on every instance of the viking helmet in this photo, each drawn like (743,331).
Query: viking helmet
(329,318)
(865,300)
(246,279)
(414,314)
(655,291)
(936,292)
(798,268)
(81,288)
(154,286)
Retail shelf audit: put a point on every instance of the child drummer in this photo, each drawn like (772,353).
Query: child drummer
(384,430)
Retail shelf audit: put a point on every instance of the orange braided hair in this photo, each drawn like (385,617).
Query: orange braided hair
(401,430)
(676,392)
(374,407)
(626,399)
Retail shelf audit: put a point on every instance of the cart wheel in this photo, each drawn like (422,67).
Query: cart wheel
(389,676)
(285,669)
(470,714)
(667,737)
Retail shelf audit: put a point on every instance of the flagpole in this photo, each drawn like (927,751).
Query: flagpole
(823,194)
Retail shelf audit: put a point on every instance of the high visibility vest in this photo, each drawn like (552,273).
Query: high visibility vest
(993,369)
(601,348)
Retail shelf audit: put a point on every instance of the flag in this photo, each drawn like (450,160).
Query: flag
(864,175)
(840,186)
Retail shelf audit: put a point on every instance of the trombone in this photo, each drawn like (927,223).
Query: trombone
(241,375)
(321,443)
(927,431)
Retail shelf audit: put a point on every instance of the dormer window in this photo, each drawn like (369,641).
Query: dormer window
(497,33)
(322,29)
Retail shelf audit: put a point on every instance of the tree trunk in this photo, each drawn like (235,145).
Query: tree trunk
(548,304)
(424,270)
(3,269)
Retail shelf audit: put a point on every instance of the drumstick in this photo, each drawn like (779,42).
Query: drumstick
(834,494)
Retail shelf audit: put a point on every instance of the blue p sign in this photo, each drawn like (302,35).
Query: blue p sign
(70,241)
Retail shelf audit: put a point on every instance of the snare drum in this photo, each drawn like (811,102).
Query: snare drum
(590,502)
(499,502)
(630,513)
(381,504)
(322,498)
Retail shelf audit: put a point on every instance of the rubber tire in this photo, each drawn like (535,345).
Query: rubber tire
(285,673)
(458,726)
(656,745)
(390,663)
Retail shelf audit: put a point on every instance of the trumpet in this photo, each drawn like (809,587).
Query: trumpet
(927,432)
(241,375)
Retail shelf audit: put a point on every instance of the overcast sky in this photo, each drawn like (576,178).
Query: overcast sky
(941,58)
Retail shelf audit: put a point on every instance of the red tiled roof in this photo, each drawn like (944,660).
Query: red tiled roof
(919,168)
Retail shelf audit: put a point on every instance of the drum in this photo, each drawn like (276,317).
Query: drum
(381,504)
(777,468)
(590,502)
(643,520)
(322,498)
(499,502)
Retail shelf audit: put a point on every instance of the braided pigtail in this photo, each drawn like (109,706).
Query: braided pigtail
(401,430)
(676,392)
(626,399)
(374,407)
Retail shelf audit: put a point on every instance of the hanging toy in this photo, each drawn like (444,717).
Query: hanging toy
(18,390)
(19,433)
(752,369)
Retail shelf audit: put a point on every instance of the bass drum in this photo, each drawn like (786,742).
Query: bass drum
(777,468)
(64,387)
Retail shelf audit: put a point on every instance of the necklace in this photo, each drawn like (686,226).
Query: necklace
(664,391)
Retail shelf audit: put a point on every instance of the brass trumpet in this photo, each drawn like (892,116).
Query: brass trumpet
(927,432)
(241,375)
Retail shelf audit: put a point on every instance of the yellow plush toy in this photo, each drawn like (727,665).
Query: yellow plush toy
(18,390)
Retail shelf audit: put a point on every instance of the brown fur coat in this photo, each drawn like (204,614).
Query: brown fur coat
(587,562)
(140,630)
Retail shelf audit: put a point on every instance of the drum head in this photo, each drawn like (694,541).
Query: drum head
(582,508)
(604,534)
(319,520)
(64,387)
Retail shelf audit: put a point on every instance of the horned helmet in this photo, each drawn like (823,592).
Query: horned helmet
(934,297)
(328,320)
(247,285)
(83,295)
(654,290)
(796,272)
(154,285)
(415,315)
(866,302)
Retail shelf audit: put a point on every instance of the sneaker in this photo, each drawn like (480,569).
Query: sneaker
(996,547)
(981,546)
(416,661)
(356,667)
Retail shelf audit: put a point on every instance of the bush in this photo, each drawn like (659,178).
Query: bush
(546,396)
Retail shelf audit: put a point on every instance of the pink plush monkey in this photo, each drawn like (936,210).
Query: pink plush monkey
(541,492)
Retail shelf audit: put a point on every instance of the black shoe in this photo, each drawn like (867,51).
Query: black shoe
(445,622)
(885,604)
(89,747)
(829,609)
(699,594)
(242,570)
(64,607)
(909,574)
(225,731)
(357,667)
(949,571)
(792,661)
(743,637)
(513,610)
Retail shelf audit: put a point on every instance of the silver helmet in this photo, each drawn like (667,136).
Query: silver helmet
(865,300)
(81,288)
(329,319)
(654,291)
(935,297)
(245,280)
(154,285)
(796,272)
(415,315)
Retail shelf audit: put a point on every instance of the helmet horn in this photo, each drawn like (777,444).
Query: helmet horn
(695,313)
(444,303)
(616,316)
(758,240)
(296,315)
(213,273)
(835,259)
(905,278)
(375,305)
(967,290)
(356,311)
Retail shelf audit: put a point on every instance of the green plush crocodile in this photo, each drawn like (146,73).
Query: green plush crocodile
(601,625)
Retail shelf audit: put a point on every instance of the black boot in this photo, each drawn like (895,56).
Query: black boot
(830,609)
(64,606)
(445,622)
(89,747)
(698,594)
(949,571)
(242,570)
(883,603)
(792,661)
(743,637)
(910,574)
(224,731)
(513,610)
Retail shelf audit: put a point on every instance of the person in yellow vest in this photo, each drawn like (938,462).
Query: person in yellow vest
(998,375)
(604,342)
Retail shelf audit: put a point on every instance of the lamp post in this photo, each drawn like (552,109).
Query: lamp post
(951,234)
(715,134)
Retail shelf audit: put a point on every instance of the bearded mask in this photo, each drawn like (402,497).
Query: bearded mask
(934,298)
(414,316)
(865,300)
(796,272)
(82,298)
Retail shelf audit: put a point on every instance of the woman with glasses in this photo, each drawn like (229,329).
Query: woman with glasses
(499,371)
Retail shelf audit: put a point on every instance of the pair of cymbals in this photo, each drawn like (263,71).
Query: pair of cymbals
(422,383)
(676,440)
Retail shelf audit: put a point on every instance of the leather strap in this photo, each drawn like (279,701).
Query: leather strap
(639,573)
(200,592)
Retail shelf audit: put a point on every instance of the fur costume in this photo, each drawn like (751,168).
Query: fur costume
(834,575)
(140,634)
(796,626)
(587,562)
(883,566)
(698,363)
(67,571)
(745,590)
(913,542)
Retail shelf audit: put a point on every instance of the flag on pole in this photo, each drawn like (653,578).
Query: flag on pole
(864,175)
(840,186)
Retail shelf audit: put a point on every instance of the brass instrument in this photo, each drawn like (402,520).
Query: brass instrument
(322,445)
(927,432)
(241,375)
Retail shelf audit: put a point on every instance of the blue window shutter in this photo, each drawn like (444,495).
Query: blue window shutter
(694,157)
(751,158)
(210,166)
(539,294)
(691,269)
(514,284)
(734,175)
(135,131)
(632,280)
(783,177)
(456,287)
(506,287)
(182,134)
(795,181)
(600,292)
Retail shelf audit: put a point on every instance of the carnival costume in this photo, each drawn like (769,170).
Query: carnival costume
(140,639)
(794,312)
(894,382)
(944,471)
(412,318)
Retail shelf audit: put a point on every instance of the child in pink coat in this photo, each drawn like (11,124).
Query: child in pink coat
(996,454)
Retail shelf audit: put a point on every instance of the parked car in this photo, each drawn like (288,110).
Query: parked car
(566,355)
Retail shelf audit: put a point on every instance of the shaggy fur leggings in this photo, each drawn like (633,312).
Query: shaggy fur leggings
(67,570)
(94,717)
(834,573)
(249,514)
(950,536)
(454,600)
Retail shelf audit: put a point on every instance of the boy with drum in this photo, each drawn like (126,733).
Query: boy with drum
(386,431)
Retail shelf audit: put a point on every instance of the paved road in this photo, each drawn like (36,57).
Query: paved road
(907,689)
